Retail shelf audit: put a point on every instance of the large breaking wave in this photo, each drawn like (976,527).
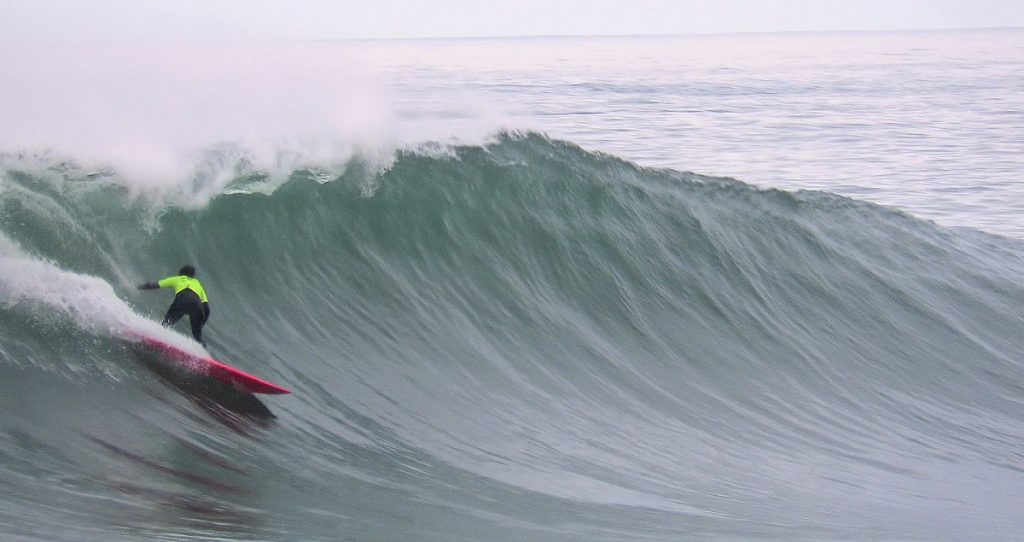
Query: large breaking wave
(520,340)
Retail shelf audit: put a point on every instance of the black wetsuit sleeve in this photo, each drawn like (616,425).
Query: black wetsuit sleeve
(206,311)
(149,286)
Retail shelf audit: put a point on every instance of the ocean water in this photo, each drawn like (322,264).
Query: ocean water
(751,287)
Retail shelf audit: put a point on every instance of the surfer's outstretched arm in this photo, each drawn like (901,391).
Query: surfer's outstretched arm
(149,286)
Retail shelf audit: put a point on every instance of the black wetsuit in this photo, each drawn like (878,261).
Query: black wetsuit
(188,302)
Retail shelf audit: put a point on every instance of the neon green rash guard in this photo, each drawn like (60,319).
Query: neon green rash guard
(184,282)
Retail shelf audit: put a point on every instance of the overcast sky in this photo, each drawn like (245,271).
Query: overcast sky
(203,20)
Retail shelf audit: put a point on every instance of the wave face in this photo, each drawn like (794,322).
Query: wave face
(516,341)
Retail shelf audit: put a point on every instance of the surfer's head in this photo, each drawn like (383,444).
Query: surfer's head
(188,271)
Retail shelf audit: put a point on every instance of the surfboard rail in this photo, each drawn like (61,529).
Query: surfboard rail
(217,369)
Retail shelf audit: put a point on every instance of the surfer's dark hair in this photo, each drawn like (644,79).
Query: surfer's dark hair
(188,271)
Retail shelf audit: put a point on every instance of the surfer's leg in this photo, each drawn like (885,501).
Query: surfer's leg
(174,313)
(197,322)
(196,318)
(184,303)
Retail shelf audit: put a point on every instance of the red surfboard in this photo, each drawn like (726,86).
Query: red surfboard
(221,371)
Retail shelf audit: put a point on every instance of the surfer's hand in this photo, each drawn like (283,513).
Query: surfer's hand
(148,286)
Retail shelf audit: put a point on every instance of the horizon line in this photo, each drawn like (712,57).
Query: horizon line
(516,36)
(670,35)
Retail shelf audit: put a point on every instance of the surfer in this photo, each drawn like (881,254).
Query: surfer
(189,298)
